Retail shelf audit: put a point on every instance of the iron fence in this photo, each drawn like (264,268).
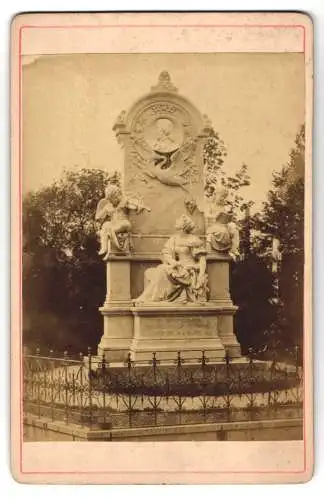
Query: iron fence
(92,392)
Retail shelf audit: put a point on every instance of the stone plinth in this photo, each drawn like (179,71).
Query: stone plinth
(168,329)
(118,281)
(118,320)
(118,333)
(219,297)
(226,329)
(218,279)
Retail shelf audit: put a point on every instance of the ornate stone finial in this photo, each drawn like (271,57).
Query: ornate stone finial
(120,121)
(121,118)
(164,83)
(207,124)
(120,125)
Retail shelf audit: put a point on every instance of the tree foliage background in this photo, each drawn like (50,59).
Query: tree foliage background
(283,217)
(214,156)
(64,279)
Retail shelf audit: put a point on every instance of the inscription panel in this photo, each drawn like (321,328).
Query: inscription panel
(178,327)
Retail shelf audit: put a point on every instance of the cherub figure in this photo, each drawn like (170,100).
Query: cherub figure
(112,212)
(222,234)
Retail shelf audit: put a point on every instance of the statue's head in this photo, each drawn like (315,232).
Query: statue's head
(185,224)
(113,194)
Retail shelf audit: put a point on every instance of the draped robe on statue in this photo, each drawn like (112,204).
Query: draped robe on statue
(179,277)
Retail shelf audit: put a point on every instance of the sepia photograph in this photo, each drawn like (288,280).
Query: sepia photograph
(163,246)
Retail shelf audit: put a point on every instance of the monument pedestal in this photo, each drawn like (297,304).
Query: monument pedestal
(225,332)
(190,329)
(118,333)
(220,299)
(167,328)
(164,136)
(116,311)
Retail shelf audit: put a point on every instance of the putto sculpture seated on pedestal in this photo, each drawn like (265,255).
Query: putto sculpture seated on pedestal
(112,212)
(182,275)
(222,234)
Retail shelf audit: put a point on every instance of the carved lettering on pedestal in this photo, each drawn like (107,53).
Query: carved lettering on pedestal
(169,327)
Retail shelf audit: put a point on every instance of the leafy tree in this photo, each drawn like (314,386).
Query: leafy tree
(214,155)
(283,212)
(282,217)
(58,216)
(252,290)
(60,262)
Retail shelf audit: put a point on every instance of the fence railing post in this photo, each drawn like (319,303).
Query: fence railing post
(228,385)
(155,363)
(52,386)
(38,383)
(180,401)
(251,383)
(130,408)
(90,386)
(203,361)
(81,389)
(298,376)
(66,387)
(103,385)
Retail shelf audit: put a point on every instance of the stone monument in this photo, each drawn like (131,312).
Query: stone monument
(166,246)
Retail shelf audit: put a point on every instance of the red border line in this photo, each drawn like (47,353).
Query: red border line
(77,26)
(20,242)
(170,472)
(276,26)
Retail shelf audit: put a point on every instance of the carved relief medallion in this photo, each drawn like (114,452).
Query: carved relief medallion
(163,144)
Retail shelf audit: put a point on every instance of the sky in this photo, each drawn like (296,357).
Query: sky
(70,104)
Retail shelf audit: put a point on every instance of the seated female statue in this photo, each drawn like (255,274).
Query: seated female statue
(182,274)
